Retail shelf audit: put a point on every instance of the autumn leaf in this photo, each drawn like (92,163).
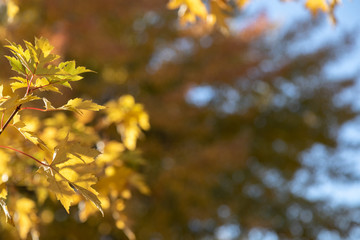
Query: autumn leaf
(317,5)
(3,196)
(26,99)
(43,84)
(16,65)
(19,83)
(194,8)
(75,105)
(129,118)
(70,172)
(78,104)
(26,217)
(8,103)
(36,60)
(11,10)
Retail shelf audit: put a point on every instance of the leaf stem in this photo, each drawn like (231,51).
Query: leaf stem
(38,109)
(17,109)
(28,155)
(29,84)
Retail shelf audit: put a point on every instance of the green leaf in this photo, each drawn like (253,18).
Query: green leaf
(33,53)
(16,65)
(71,72)
(21,55)
(48,71)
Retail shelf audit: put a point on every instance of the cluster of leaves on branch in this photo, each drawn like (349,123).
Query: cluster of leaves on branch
(210,13)
(58,156)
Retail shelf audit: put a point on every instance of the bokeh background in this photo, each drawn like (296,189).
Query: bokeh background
(255,135)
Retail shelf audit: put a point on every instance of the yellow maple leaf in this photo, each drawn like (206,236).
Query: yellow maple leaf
(80,104)
(219,9)
(317,5)
(112,151)
(129,118)
(12,10)
(71,172)
(196,7)
(25,216)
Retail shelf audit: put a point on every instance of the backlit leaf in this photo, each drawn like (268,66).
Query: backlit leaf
(71,169)
(44,45)
(44,85)
(18,85)
(16,65)
(71,72)
(78,104)
(60,186)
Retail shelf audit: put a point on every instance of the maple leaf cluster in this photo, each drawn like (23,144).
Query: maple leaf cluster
(69,165)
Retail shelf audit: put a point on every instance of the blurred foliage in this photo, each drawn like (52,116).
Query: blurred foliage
(216,13)
(231,118)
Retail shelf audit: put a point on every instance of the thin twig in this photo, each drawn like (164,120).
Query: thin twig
(17,109)
(10,118)
(37,109)
(16,150)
